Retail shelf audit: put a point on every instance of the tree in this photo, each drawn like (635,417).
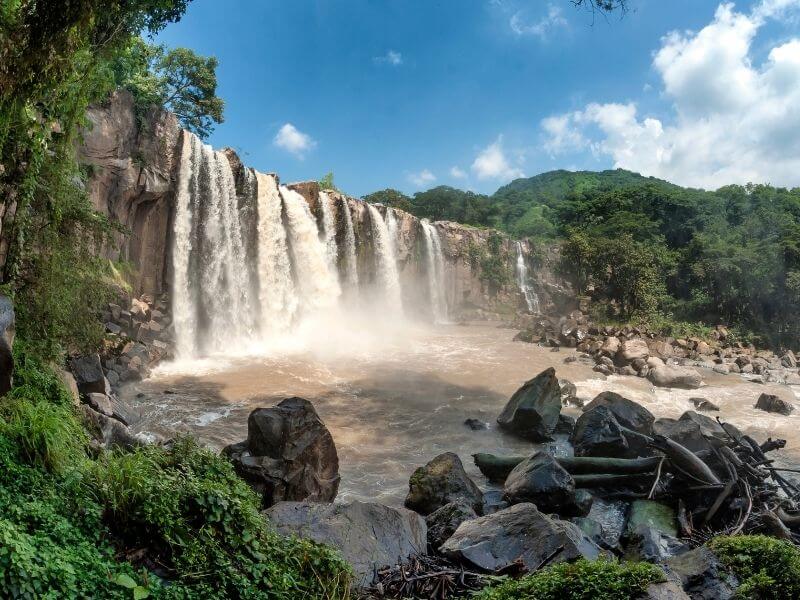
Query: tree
(326,183)
(178,79)
(390,197)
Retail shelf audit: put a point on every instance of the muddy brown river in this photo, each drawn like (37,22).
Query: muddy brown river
(396,397)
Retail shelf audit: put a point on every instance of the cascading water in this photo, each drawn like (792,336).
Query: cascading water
(319,288)
(277,295)
(351,262)
(213,301)
(436,272)
(328,232)
(531,299)
(386,262)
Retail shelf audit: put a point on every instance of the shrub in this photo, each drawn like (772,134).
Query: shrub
(581,580)
(766,567)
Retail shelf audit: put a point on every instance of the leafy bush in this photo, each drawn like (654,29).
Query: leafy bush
(581,580)
(766,567)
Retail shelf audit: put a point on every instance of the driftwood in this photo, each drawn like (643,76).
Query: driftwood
(496,468)
(685,460)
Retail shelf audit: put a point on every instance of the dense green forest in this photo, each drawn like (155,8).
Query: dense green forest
(651,250)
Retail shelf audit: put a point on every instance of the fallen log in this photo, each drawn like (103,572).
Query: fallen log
(608,480)
(685,460)
(497,468)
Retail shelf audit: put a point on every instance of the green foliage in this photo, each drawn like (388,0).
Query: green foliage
(390,197)
(766,567)
(178,79)
(66,518)
(581,580)
(444,203)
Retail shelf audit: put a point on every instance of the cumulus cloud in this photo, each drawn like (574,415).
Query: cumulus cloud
(542,28)
(423,178)
(293,140)
(392,57)
(732,121)
(457,173)
(491,163)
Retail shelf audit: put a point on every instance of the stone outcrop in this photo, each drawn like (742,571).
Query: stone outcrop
(368,536)
(533,410)
(543,482)
(289,454)
(442,481)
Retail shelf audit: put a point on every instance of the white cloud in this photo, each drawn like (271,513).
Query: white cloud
(491,163)
(423,178)
(457,173)
(732,122)
(293,140)
(392,57)
(542,28)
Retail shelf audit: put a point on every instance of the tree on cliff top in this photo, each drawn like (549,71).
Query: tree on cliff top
(179,80)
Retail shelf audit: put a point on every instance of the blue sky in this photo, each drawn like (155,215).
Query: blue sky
(472,93)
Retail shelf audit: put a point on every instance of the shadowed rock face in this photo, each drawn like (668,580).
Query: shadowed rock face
(532,412)
(7,331)
(442,481)
(289,454)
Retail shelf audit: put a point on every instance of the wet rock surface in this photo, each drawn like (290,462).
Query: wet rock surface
(442,481)
(532,412)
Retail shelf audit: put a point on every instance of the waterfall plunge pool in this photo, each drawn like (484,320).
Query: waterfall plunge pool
(394,397)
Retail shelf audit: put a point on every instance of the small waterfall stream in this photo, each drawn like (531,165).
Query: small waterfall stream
(436,272)
(531,299)
(385,261)
(328,232)
(351,260)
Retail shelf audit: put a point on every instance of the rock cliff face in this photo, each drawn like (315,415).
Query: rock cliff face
(134,164)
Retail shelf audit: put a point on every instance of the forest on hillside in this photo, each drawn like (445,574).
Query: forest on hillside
(650,250)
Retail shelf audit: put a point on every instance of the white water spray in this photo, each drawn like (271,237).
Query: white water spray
(436,272)
(328,232)
(385,260)
(531,299)
(350,246)
(277,295)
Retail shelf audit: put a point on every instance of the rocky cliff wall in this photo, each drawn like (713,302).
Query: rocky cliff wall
(134,163)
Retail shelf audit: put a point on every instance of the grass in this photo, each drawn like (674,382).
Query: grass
(766,567)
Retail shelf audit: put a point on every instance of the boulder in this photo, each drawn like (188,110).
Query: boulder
(631,350)
(109,432)
(686,432)
(648,544)
(532,412)
(289,454)
(774,404)
(518,534)
(598,433)
(88,373)
(565,426)
(7,332)
(702,575)
(664,590)
(368,535)
(610,346)
(475,424)
(441,481)
(542,481)
(70,384)
(789,360)
(443,522)
(675,377)
(100,403)
(704,405)
(709,427)
(627,412)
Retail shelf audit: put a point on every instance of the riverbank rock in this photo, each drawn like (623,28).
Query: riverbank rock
(702,575)
(627,412)
(521,534)
(542,481)
(532,412)
(7,332)
(368,535)
(442,481)
(289,454)
(675,377)
(598,433)
(443,522)
(88,373)
(774,404)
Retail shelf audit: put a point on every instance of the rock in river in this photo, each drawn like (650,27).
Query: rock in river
(532,412)
(627,412)
(441,481)
(289,454)
(542,481)
(518,533)
(774,404)
(675,377)
(443,522)
(368,535)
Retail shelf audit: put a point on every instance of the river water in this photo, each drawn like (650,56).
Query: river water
(395,397)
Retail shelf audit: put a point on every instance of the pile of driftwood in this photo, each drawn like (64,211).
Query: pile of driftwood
(729,489)
(427,576)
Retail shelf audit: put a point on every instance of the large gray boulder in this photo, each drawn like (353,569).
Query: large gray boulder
(88,373)
(443,522)
(675,377)
(542,481)
(774,404)
(627,412)
(598,433)
(532,412)
(7,331)
(442,481)
(289,454)
(368,535)
(519,533)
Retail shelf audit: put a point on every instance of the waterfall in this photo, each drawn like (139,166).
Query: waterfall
(351,261)
(436,272)
(277,295)
(328,232)
(385,261)
(393,229)
(319,288)
(213,303)
(531,299)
